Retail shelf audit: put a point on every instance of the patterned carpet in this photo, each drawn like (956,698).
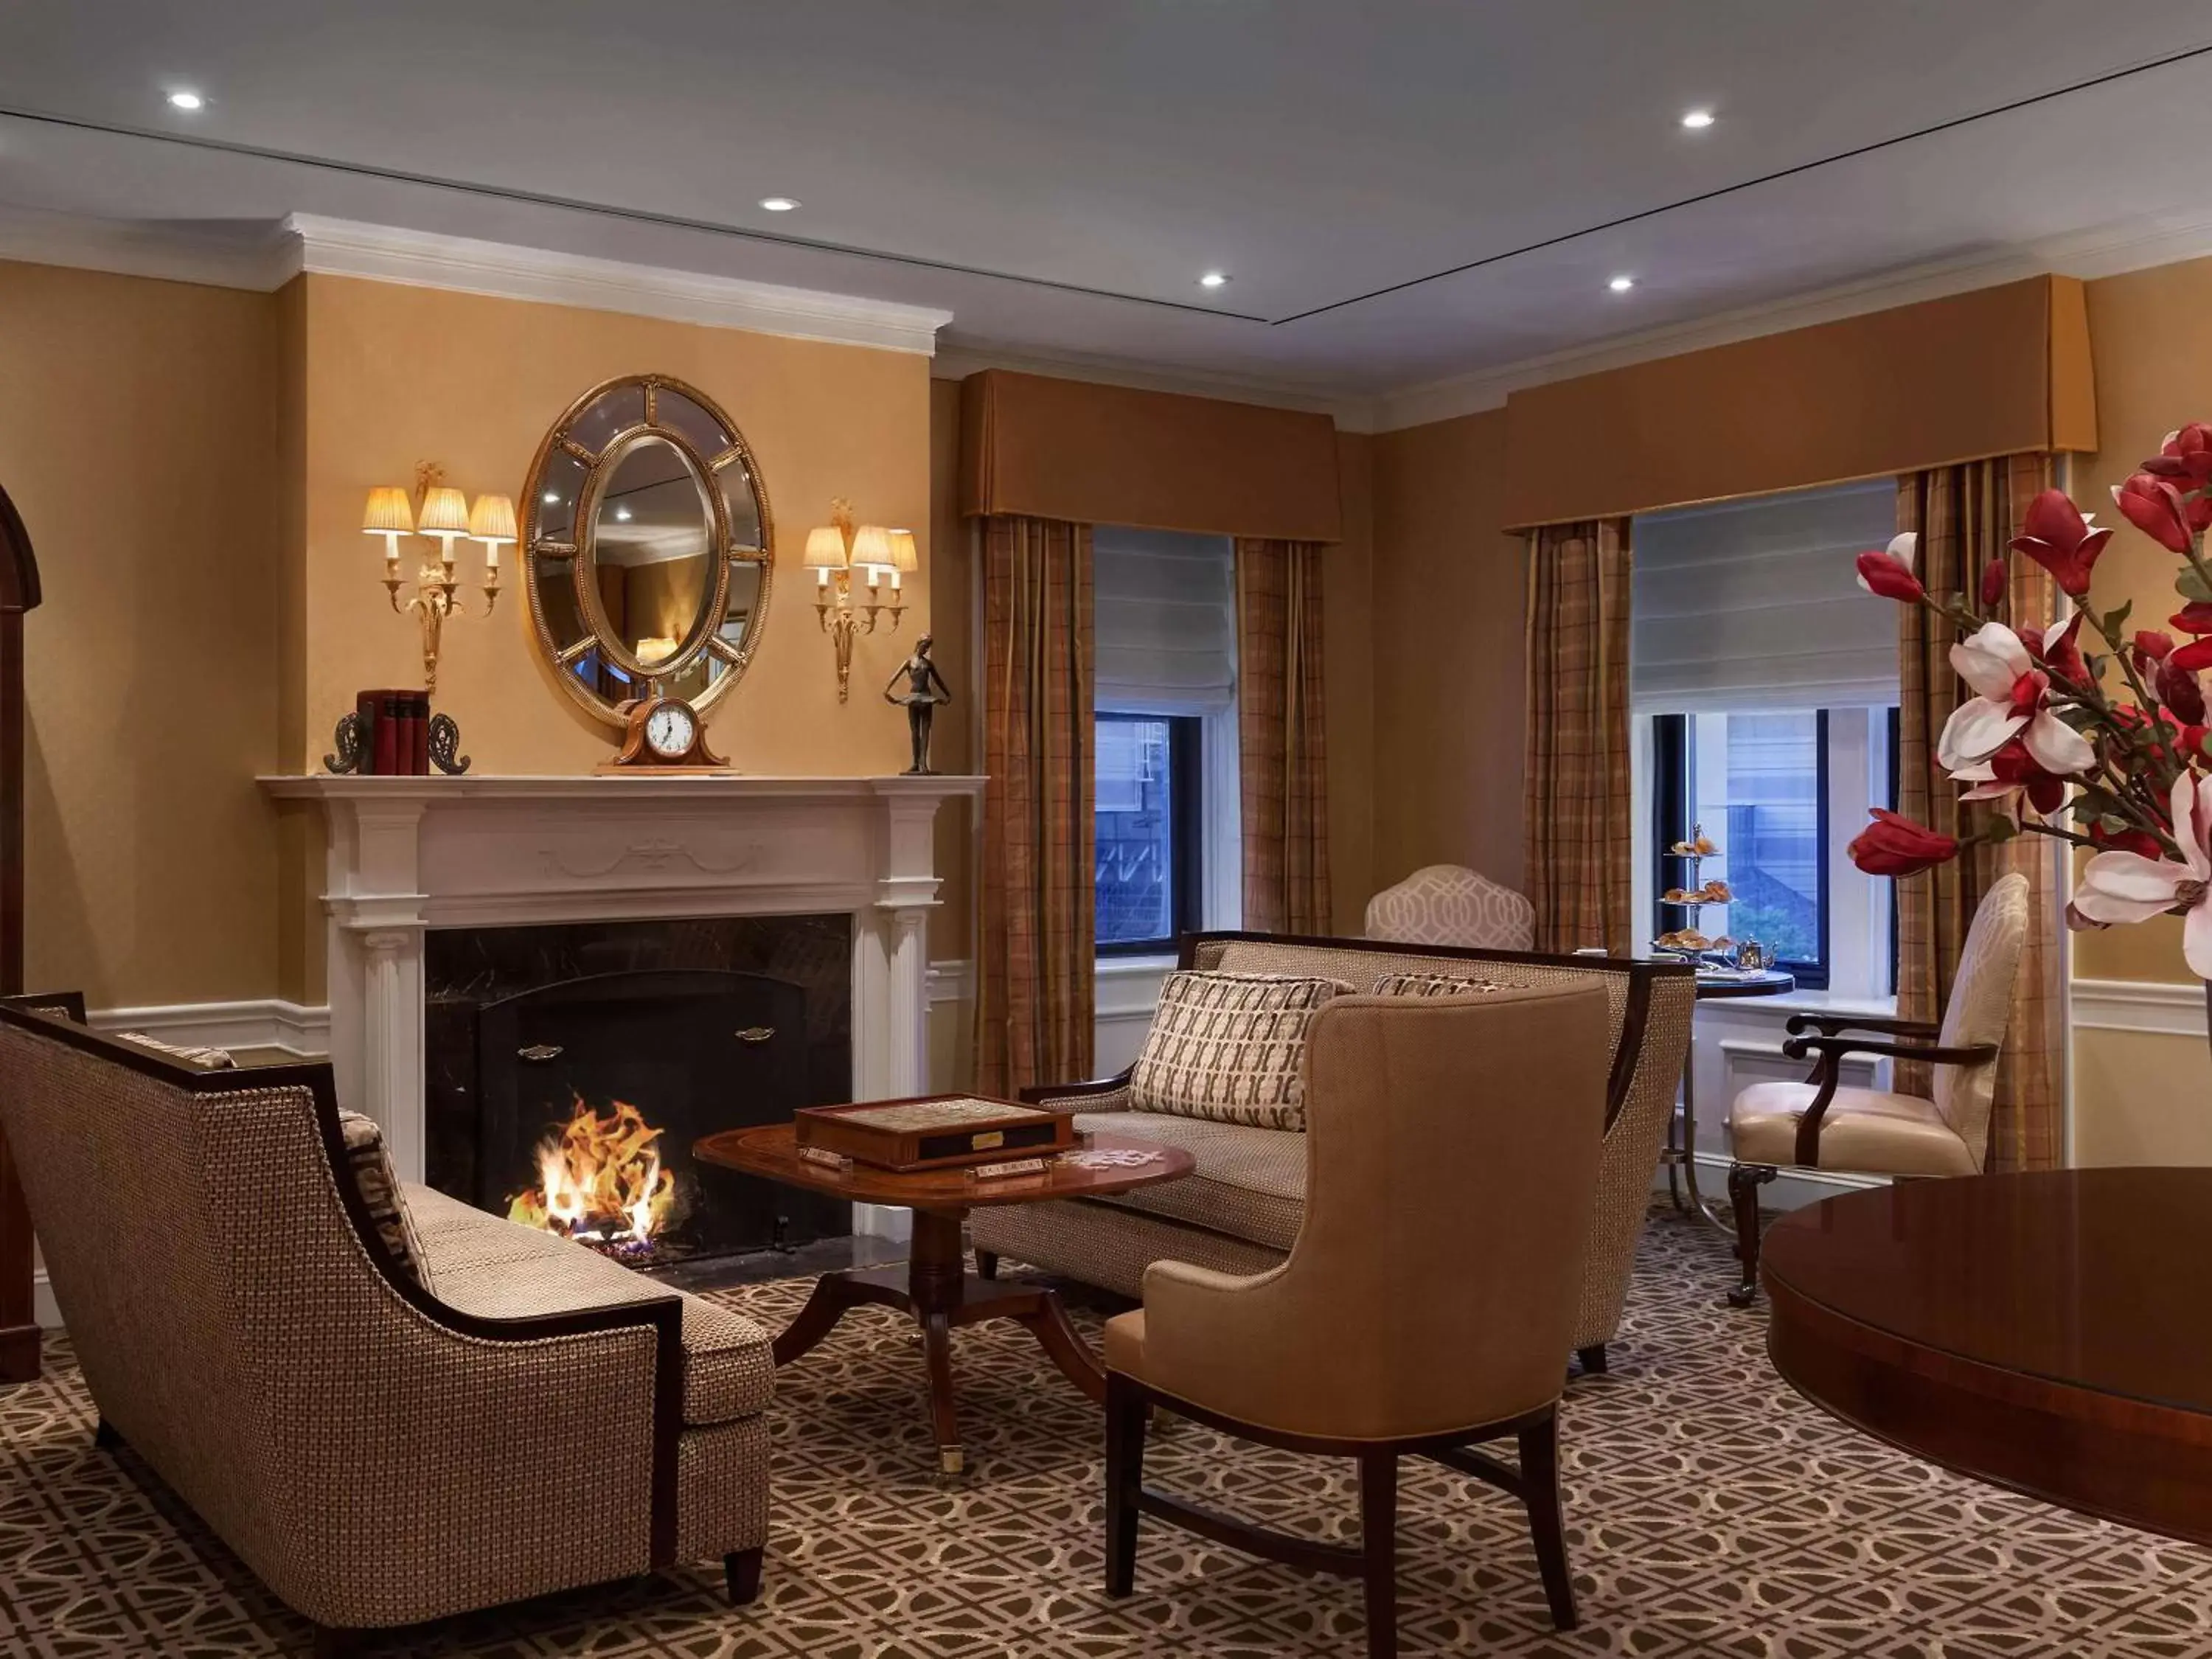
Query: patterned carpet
(1710,1512)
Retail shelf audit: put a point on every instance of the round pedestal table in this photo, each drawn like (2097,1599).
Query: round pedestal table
(2044,1333)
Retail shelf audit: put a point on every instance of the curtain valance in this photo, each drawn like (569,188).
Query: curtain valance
(1999,371)
(1086,453)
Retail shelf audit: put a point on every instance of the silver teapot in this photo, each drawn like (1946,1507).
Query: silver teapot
(1752,956)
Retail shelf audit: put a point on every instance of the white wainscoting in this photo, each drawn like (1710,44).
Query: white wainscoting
(1128,991)
(263,1022)
(2127,1005)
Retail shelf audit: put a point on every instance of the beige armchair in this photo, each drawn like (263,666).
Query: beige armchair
(1449,904)
(388,1415)
(1820,1124)
(1405,1320)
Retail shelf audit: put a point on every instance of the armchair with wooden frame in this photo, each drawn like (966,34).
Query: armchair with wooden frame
(1822,1124)
(1405,1321)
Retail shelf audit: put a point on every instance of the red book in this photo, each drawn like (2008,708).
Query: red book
(418,728)
(364,709)
(388,753)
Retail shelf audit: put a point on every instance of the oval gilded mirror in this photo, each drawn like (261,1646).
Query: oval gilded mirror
(647,548)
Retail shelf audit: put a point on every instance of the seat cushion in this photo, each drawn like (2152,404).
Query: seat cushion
(1864,1129)
(496,1269)
(1230,1047)
(1249,1183)
(1125,1343)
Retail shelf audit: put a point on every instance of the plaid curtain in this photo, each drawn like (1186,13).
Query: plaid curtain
(1965,515)
(1036,948)
(1282,753)
(1575,831)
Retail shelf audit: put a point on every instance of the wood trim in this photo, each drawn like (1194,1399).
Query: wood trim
(664,1314)
(20,591)
(1048,1094)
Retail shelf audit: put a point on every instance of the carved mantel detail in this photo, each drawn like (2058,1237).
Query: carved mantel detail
(404,854)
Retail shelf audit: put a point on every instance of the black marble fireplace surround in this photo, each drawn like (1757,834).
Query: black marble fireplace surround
(702,1026)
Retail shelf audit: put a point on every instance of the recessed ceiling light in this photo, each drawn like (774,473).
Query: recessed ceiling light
(186,100)
(1697,119)
(779,204)
(1621,284)
(1213,279)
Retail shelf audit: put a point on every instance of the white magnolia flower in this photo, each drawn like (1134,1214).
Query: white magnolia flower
(1904,550)
(2009,704)
(2118,887)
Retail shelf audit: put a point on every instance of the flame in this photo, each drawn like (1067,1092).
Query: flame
(600,1181)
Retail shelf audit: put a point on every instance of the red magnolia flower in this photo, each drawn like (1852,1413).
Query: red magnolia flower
(2009,774)
(2153,507)
(1892,846)
(2193,618)
(1994,576)
(2155,644)
(2059,651)
(2126,840)
(2186,460)
(2057,538)
(2193,656)
(1888,571)
(2178,689)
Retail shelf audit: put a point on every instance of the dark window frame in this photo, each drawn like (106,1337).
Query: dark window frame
(1671,797)
(1186,833)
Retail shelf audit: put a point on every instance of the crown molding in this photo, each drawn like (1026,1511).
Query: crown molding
(342,247)
(166,252)
(2108,250)
(958,359)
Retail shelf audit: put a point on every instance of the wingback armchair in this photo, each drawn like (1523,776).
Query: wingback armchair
(1404,1321)
(389,1414)
(1450,904)
(1822,1124)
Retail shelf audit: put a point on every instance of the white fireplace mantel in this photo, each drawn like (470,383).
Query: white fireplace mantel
(407,855)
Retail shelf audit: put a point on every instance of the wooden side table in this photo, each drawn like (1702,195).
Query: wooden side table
(934,1287)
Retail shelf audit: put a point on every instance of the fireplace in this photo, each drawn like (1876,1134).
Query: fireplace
(571,1068)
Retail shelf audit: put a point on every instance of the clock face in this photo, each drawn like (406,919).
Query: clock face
(670,730)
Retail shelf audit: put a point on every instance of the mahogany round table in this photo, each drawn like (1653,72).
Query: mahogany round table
(934,1287)
(2046,1332)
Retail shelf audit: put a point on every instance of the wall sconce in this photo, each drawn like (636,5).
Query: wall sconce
(833,551)
(443,514)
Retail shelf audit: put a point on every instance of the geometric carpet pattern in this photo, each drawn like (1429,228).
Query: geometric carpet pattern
(1710,1512)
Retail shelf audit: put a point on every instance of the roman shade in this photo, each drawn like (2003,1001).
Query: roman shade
(1756,604)
(1164,610)
(1086,453)
(2000,371)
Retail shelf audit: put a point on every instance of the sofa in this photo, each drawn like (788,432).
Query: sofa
(1240,1210)
(390,1405)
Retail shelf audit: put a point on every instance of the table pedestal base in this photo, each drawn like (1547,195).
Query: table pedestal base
(938,1292)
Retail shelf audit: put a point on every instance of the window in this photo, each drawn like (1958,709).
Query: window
(1150,862)
(1167,843)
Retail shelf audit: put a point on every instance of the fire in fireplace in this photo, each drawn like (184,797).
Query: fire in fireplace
(600,1182)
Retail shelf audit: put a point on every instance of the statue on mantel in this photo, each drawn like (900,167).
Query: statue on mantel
(925,690)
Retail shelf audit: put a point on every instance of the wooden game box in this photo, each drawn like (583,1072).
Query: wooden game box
(937,1131)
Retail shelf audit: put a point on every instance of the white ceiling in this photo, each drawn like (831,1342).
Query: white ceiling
(1316,150)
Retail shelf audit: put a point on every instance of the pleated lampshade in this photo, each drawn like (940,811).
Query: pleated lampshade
(388,513)
(445,512)
(492,518)
(825,547)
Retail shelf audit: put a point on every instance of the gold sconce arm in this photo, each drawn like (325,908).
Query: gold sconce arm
(443,515)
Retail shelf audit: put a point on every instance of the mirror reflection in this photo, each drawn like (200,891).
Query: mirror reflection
(648,592)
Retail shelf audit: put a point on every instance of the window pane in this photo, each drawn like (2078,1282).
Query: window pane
(1758,780)
(1135,829)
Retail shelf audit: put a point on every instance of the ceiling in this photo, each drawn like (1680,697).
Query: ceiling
(1057,175)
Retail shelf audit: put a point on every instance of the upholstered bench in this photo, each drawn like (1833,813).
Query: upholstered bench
(390,1405)
(1240,1210)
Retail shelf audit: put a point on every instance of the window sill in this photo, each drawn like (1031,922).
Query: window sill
(1804,1002)
(1149,966)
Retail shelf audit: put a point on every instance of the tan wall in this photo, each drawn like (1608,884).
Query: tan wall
(138,435)
(397,375)
(1448,652)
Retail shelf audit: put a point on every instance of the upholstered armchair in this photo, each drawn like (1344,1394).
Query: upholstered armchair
(389,1411)
(1819,1124)
(1448,904)
(1405,1319)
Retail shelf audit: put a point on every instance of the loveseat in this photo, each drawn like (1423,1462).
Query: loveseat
(390,1405)
(1239,1211)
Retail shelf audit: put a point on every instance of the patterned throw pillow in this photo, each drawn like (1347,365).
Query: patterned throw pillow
(371,1169)
(1231,1047)
(1431,985)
